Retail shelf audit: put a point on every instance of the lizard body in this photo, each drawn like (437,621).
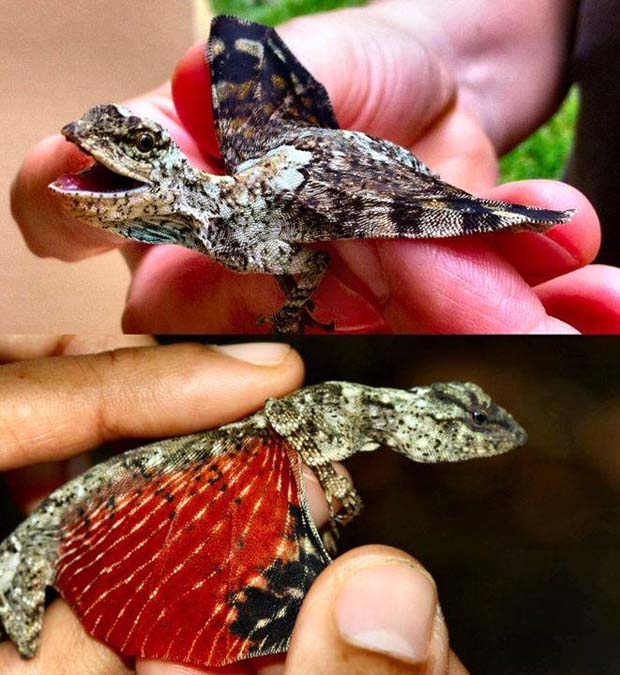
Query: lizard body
(294,177)
(200,549)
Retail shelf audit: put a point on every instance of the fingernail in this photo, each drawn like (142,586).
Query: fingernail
(388,608)
(257,353)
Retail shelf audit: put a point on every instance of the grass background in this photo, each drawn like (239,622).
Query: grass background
(542,155)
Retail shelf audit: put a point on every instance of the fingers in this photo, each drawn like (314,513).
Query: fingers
(29,484)
(65,649)
(191,93)
(371,50)
(167,294)
(564,248)
(375,611)
(57,407)
(24,347)
(463,287)
(482,284)
(588,299)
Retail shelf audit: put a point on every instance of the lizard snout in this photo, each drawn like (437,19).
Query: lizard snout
(69,131)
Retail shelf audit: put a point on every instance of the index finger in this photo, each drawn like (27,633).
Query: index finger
(57,407)
(24,347)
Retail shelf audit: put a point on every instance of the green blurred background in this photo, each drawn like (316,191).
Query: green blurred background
(543,155)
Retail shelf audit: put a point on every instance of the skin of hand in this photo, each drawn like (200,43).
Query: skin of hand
(392,72)
(375,610)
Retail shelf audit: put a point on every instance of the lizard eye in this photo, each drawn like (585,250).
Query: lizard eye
(479,418)
(145,142)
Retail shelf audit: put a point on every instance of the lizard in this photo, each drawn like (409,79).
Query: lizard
(293,177)
(200,549)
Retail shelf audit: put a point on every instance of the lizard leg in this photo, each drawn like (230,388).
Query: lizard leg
(341,488)
(306,268)
(288,285)
(299,271)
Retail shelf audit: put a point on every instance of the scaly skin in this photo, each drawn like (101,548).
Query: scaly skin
(294,178)
(319,424)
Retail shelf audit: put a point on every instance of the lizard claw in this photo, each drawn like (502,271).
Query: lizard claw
(289,320)
(308,321)
(330,539)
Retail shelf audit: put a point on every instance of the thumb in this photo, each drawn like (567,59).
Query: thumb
(374,610)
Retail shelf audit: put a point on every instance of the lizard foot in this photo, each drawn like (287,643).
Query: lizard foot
(352,506)
(289,320)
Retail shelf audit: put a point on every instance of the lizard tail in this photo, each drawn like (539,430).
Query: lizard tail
(496,215)
(24,576)
(463,214)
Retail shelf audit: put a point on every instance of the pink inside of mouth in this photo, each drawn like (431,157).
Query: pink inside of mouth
(96,178)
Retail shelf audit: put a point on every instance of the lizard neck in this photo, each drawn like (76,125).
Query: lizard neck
(203,199)
(342,418)
(443,422)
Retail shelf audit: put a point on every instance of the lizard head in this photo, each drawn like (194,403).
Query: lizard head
(451,422)
(134,177)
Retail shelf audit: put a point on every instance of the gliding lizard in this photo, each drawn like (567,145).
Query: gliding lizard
(200,549)
(294,177)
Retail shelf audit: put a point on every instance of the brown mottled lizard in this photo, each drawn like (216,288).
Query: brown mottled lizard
(294,177)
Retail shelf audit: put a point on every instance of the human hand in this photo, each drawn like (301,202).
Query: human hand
(374,608)
(373,611)
(55,408)
(491,283)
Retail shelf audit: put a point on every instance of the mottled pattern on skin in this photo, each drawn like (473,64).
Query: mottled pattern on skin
(295,177)
(122,542)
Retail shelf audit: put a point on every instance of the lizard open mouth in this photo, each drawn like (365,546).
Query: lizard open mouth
(101,177)
(97,178)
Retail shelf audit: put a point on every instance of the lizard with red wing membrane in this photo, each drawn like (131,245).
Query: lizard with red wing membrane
(294,177)
(200,549)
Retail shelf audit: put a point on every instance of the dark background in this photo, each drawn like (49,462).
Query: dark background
(525,547)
